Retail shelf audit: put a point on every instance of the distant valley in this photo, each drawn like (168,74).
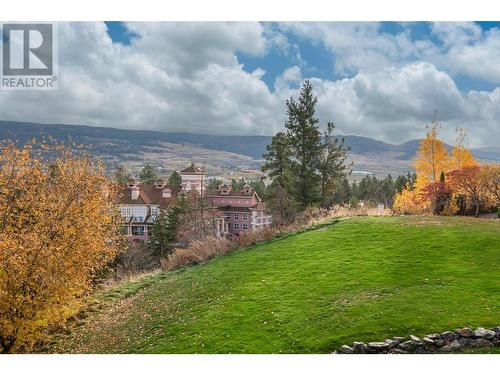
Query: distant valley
(224,156)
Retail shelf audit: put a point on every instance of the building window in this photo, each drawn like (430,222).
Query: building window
(245,216)
(236,226)
(124,230)
(228,217)
(236,216)
(137,231)
(245,226)
(154,210)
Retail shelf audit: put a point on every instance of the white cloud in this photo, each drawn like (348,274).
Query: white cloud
(186,77)
(175,76)
(395,104)
(356,45)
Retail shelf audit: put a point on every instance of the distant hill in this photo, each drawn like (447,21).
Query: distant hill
(224,153)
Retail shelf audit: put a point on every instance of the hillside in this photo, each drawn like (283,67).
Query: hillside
(222,155)
(359,279)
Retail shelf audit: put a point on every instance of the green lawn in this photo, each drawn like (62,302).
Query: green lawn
(359,279)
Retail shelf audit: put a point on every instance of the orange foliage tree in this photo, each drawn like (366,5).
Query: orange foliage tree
(469,182)
(490,175)
(58,227)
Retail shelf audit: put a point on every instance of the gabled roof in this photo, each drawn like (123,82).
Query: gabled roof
(148,194)
(192,169)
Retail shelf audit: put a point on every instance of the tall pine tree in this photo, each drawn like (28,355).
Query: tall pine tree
(305,141)
(332,165)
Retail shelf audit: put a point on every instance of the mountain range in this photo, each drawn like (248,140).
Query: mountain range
(223,155)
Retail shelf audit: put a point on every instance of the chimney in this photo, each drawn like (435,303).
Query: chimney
(247,189)
(166,193)
(225,189)
(135,192)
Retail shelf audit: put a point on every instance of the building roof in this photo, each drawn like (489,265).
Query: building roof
(258,206)
(192,169)
(232,193)
(148,194)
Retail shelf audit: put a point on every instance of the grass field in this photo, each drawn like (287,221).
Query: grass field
(359,279)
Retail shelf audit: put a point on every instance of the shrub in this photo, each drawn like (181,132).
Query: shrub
(197,252)
(58,227)
(137,258)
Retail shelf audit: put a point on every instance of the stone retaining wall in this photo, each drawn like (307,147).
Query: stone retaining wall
(433,343)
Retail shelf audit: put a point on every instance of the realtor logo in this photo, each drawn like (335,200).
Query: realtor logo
(29,56)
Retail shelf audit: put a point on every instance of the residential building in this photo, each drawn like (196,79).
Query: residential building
(230,212)
(139,205)
(193,178)
(243,210)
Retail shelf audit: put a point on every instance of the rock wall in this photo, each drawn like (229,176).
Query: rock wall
(433,343)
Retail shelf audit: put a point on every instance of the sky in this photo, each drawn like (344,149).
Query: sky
(380,80)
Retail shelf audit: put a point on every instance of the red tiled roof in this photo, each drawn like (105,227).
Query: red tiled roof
(148,194)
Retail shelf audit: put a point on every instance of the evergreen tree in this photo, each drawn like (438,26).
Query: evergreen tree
(166,226)
(149,174)
(237,185)
(175,179)
(214,183)
(258,186)
(342,192)
(305,141)
(159,238)
(121,176)
(281,205)
(332,165)
(278,155)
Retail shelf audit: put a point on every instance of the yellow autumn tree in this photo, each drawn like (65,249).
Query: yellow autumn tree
(461,156)
(432,157)
(58,227)
(409,202)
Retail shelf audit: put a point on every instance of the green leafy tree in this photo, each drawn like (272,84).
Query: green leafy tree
(175,179)
(149,174)
(305,140)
